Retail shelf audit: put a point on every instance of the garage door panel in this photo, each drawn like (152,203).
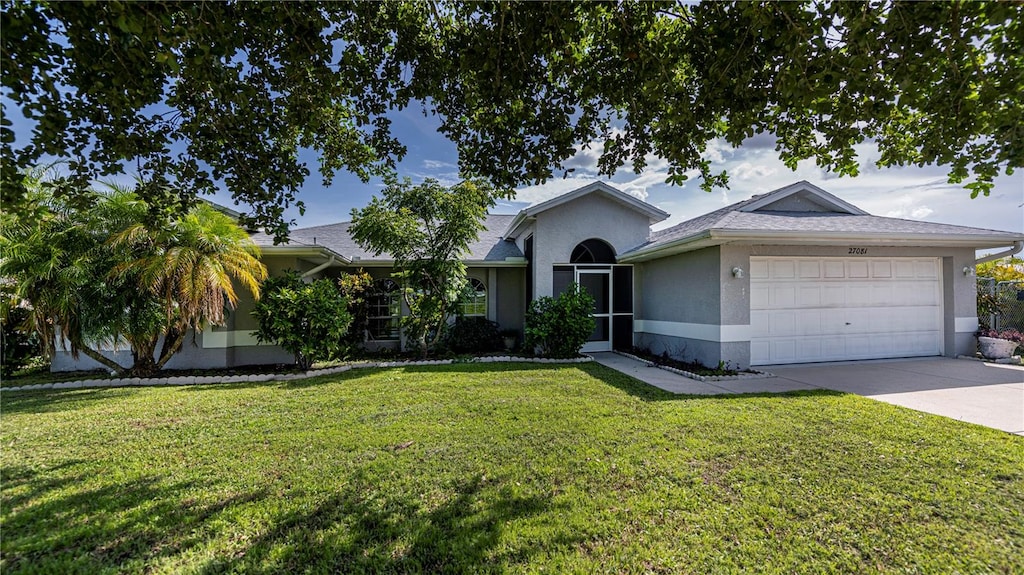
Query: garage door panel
(759,296)
(834,269)
(758,323)
(782,269)
(856,269)
(809,269)
(829,309)
(881,269)
(903,269)
(925,270)
(809,296)
(858,295)
(809,322)
(833,295)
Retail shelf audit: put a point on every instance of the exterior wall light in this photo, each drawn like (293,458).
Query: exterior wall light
(968,271)
(737,272)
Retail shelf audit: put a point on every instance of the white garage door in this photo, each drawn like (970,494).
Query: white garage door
(831,309)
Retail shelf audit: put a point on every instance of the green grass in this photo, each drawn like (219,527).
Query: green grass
(498,468)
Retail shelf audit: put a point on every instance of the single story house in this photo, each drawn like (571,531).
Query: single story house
(795,275)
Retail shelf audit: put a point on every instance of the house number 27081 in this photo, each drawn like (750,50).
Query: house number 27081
(858,251)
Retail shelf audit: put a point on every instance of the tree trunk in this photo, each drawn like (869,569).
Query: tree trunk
(173,340)
(143,364)
(102,359)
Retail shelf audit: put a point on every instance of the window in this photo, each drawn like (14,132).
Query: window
(474,302)
(384,310)
(593,251)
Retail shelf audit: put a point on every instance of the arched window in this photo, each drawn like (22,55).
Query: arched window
(593,251)
(384,310)
(474,301)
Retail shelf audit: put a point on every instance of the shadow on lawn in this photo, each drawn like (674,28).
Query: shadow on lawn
(52,526)
(359,531)
(53,400)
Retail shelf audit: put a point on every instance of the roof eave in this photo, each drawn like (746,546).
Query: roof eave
(300,251)
(980,241)
(713,237)
(515,227)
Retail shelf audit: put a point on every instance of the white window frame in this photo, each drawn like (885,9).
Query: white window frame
(477,302)
(384,288)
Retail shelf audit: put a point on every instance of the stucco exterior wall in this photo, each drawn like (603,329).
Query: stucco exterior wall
(685,300)
(193,355)
(560,229)
(682,288)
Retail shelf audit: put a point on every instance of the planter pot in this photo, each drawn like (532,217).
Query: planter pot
(994,348)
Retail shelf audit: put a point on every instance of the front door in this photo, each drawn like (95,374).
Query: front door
(598,285)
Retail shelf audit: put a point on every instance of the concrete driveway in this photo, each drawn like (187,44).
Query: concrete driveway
(984,393)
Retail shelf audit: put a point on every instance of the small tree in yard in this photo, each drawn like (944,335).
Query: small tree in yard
(426,228)
(308,320)
(559,327)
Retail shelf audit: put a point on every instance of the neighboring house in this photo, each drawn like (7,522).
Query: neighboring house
(792,276)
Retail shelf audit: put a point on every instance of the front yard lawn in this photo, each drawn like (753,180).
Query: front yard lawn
(498,468)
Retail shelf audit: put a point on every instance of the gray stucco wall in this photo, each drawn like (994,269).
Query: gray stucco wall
(560,229)
(694,288)
(191,356)
(681,288)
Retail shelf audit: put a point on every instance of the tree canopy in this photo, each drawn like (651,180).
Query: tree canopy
(206,94)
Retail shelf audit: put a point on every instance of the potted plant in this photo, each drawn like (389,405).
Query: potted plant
(509,337)
(999,344)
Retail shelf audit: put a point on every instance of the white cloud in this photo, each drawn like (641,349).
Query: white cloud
(748,171)
(438,165)
(910,208)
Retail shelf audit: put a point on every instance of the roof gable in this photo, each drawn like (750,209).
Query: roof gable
(653,213)
(802,196)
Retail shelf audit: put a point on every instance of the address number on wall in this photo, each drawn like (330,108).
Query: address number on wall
(858,251)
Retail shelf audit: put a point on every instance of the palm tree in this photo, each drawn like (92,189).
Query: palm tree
(81,271)
(51,257)
(192,265)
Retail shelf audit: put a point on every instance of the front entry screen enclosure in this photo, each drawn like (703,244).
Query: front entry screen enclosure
(611,286)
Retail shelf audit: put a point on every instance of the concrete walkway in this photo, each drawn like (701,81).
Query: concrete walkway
(678,384)
(984,393)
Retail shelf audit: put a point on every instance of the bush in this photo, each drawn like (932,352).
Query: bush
(17,347)
(474,335)
(355,288)
(308,320)
(559,327)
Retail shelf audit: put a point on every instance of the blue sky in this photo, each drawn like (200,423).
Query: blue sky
(906,192)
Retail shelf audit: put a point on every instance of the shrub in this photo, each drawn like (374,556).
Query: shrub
(355,287)
(1007,334)
(308,320)
(559,327)
(474,335)
(17,346)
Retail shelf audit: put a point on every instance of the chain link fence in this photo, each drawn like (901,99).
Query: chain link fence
(1000,304)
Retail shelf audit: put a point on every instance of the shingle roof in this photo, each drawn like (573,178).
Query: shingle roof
(336,237)
(735,218)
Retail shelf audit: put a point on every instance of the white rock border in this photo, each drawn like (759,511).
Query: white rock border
(752,374)
(260,377)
